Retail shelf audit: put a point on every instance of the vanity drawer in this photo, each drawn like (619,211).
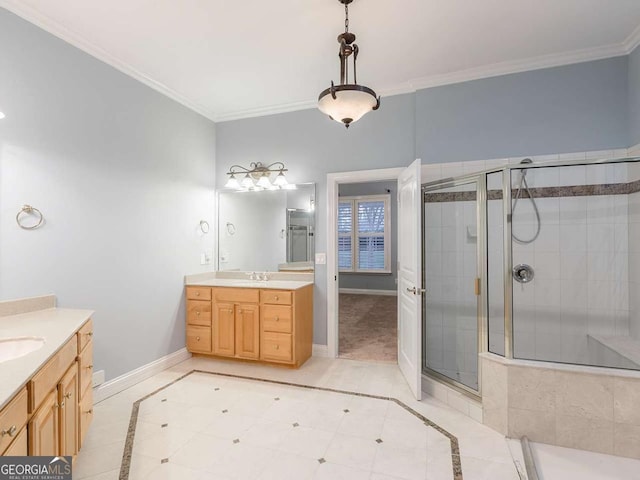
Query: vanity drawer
(276,318)
(276,297)
(48,376)
(12,418)
(199,293)
(236,295)
(85,334)
(199,339)
(19,447)
(276,347)
(85,365)
(199,312)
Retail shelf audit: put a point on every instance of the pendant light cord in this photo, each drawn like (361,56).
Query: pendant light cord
(346,17)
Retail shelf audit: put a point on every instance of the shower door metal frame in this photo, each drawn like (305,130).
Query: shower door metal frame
(480,180)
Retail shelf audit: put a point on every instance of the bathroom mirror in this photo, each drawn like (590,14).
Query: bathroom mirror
(267,230)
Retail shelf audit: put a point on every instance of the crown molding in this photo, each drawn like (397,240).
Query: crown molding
(33,16)
(268,110)
(633,40)
(519,66)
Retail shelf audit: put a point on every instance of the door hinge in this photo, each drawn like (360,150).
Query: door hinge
(477,286)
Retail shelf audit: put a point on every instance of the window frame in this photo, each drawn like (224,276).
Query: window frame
(355,236)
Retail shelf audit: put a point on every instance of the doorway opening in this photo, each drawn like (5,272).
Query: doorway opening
(367,276)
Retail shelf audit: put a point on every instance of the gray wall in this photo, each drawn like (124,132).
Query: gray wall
(122,174)
(565,109)
(374,281)
(634,97)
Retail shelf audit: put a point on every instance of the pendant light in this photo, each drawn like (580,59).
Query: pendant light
(347,102)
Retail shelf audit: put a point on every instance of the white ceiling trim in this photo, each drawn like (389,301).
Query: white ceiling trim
(519,66)
(33,16)
(633,40)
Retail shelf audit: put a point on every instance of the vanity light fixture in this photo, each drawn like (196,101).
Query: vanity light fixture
(257,176)
(2,115)
(347,102)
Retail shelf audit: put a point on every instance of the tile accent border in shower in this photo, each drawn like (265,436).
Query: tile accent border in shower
(542,192)
(131,432)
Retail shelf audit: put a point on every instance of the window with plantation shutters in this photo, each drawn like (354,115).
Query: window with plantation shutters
(363,234)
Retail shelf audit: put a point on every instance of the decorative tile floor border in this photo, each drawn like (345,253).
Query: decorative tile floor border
(128,446)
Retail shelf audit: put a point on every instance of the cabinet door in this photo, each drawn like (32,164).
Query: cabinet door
(247,331)
(43,428)
(223,329)
(68,401)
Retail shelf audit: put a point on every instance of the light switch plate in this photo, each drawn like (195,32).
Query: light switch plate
(321,258)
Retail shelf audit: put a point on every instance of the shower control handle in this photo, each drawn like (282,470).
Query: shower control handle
(523,273)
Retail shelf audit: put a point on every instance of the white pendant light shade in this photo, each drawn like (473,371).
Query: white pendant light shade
(233,183)
(247,181)
(280,180)
(264,182)
(350,104)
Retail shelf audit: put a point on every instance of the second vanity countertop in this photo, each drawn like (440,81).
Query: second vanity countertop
(238,283)
(55,325)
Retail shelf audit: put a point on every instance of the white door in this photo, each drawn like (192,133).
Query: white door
(410,278)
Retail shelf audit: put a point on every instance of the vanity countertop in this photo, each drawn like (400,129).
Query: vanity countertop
(55,325)
(238,283)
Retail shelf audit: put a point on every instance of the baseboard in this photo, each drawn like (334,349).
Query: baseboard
(320,350)
(136,376)
(364,291)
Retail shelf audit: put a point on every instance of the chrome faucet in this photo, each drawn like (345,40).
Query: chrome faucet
(253,276)
(264,276)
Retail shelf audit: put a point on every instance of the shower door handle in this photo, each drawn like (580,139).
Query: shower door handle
(416,291)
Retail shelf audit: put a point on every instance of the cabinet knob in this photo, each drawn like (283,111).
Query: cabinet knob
(89,367)
(90,411)
(276,298)
(11,431)
(197,294)
(61,404)
(67,395)
(230,311)
(277,347)
(240,312)
(198,339)
(277,318)
(89,334)
(198,312)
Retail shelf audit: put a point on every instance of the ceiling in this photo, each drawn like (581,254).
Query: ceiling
(228,59)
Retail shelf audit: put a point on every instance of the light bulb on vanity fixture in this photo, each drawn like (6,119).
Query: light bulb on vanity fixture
(2,115)
(258,177)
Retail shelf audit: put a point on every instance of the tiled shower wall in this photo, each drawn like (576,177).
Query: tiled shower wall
(580,260)
(634,254)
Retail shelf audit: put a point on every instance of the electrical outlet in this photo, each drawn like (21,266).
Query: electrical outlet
(98,378)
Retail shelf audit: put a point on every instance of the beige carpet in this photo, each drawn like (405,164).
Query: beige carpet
(368,327)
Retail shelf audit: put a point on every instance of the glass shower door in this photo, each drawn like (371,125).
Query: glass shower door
(451,277)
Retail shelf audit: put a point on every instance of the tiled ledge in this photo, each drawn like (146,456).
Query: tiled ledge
(571,406)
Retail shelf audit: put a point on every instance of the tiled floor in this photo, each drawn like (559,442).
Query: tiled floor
(240,431)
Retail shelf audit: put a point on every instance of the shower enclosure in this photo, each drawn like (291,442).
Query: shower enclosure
(532,261)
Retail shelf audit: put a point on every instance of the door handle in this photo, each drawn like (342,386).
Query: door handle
(416,291)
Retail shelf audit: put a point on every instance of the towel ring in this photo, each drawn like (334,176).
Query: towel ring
(204,226)
(231,228)
(29,210)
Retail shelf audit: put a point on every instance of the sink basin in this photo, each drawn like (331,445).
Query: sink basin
(11,348)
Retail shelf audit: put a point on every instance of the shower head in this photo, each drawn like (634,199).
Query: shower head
(526,161)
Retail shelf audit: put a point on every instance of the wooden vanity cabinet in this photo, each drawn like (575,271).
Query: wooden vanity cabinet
(274,326)
(236,323)
(51,415)
(13,420)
